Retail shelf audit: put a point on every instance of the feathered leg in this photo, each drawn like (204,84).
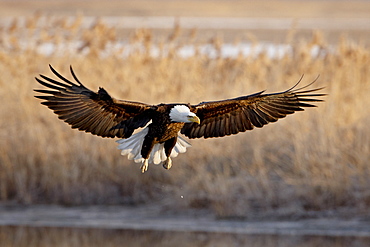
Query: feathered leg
(145,152)
(168,146)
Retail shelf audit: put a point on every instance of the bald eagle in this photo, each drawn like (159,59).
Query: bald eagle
(100,114)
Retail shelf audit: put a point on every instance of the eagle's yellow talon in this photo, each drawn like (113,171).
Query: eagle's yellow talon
(144,166)
(167,164)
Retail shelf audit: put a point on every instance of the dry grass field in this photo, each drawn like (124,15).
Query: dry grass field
(313,161)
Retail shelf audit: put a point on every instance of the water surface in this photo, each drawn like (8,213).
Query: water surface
(66,236)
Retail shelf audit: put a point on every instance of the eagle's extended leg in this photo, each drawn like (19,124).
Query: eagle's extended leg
(168,146)
(144,166)
(145,152)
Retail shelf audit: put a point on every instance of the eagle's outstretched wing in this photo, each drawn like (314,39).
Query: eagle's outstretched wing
(97,113)
(231,116)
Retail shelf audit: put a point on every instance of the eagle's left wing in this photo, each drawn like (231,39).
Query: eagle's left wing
(231,116)
(95,112)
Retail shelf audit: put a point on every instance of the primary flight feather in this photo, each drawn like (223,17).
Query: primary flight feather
(100,114)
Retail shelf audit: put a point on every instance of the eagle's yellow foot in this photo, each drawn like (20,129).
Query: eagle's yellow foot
(167,164)
(144,166)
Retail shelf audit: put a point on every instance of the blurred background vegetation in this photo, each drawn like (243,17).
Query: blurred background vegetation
(311,162)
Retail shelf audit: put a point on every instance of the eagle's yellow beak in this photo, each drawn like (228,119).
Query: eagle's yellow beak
(194,119)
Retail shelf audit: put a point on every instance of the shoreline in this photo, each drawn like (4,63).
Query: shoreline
(152,218)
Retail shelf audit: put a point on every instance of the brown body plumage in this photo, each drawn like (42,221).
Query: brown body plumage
(102,115)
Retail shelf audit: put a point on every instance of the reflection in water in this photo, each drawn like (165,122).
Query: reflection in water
(54,236)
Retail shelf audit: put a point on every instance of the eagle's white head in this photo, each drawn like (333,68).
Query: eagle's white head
(182,113)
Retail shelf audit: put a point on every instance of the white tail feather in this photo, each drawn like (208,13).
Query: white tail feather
(132,148)
(180,147)
(132,145)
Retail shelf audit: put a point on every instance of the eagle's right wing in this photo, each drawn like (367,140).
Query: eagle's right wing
(231,116)
(97,113)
